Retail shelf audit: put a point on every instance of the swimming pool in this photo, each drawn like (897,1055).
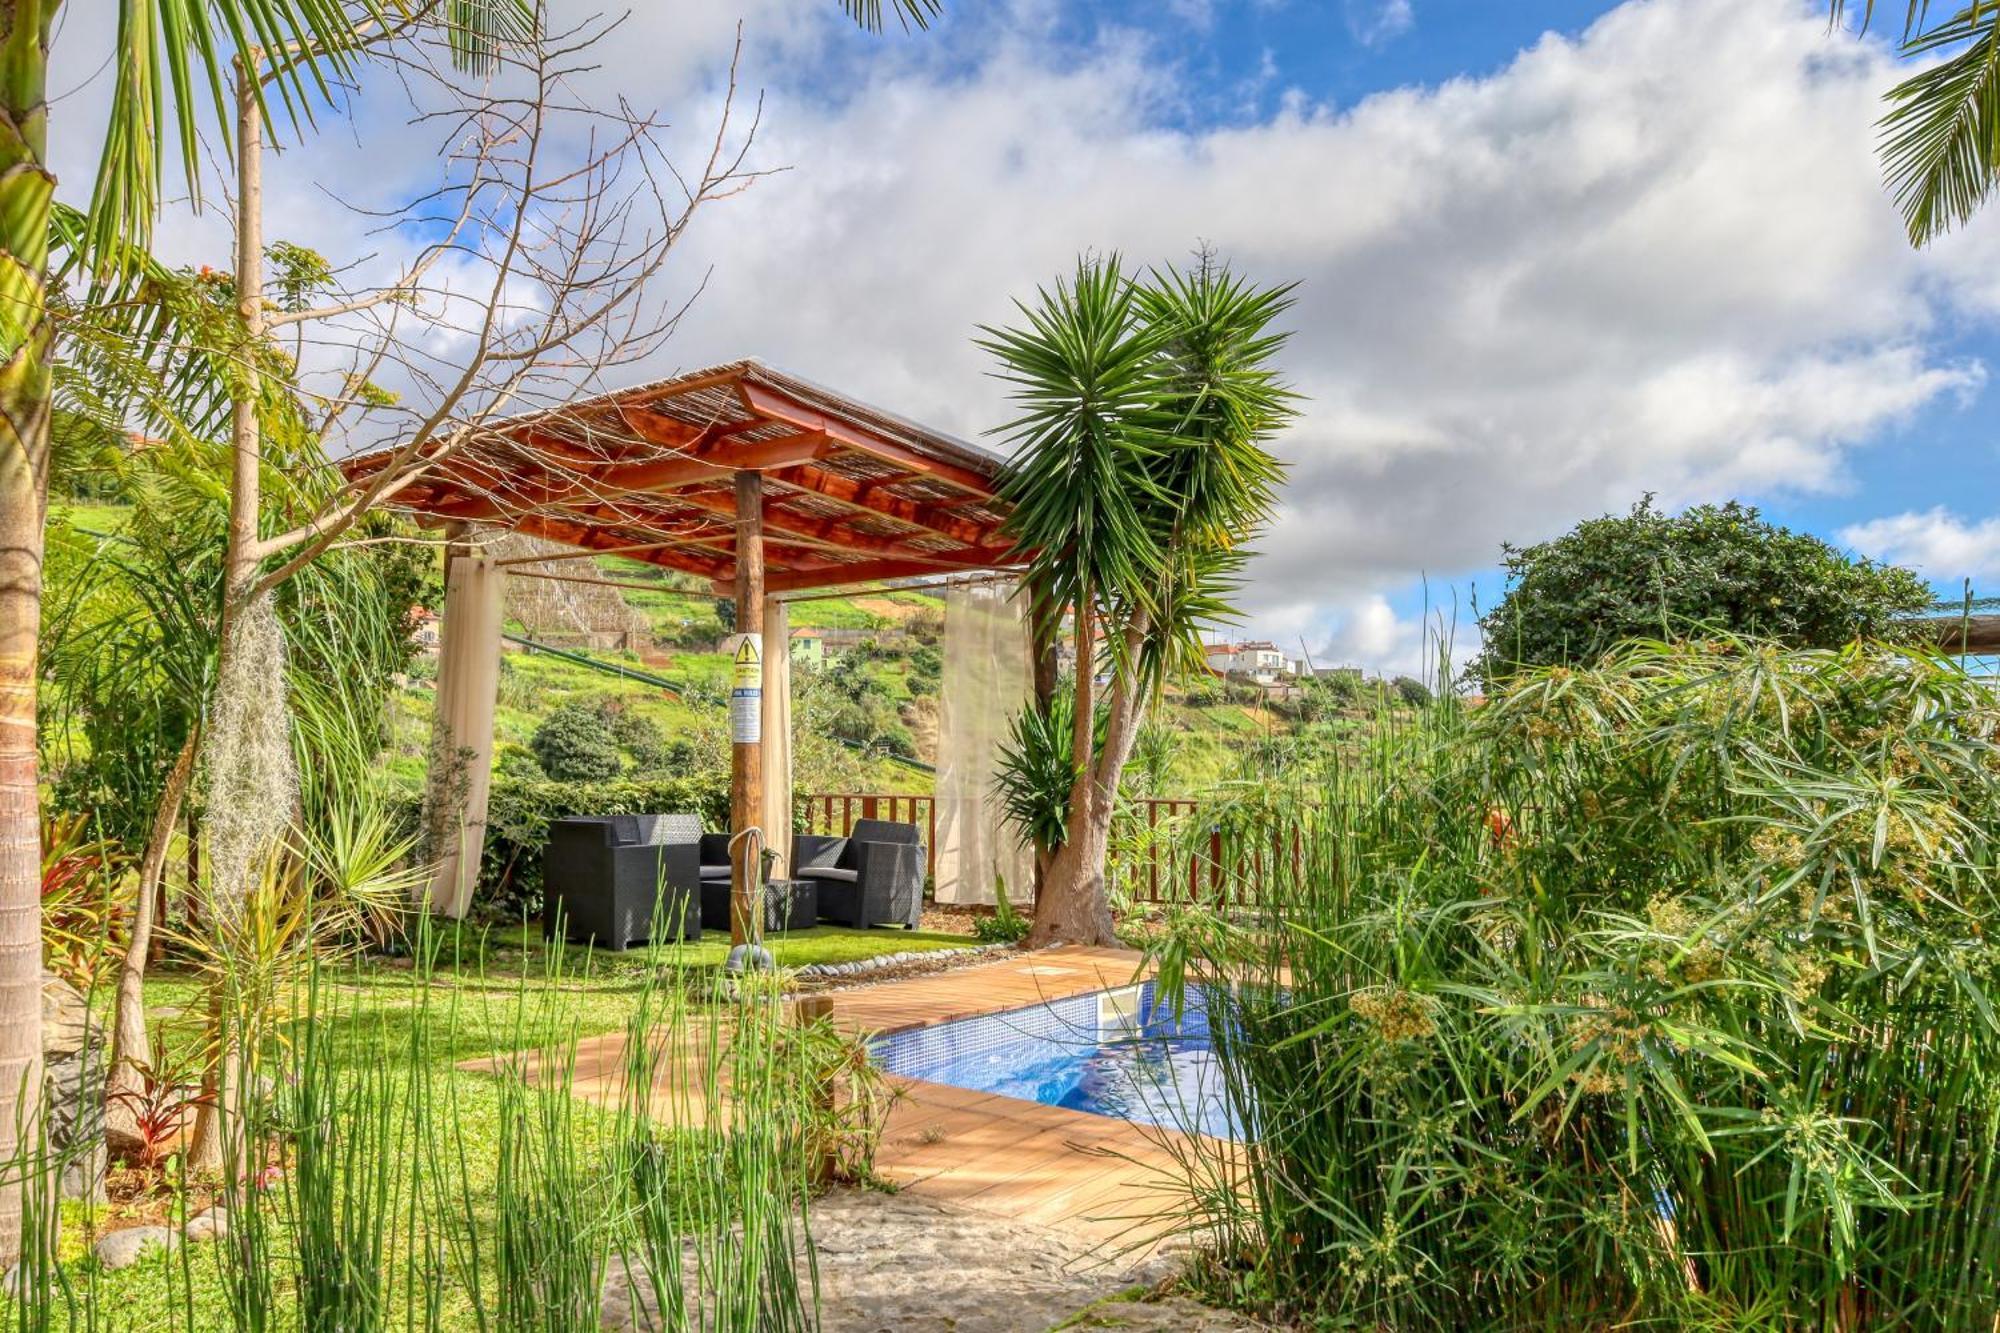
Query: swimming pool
(1113,1053)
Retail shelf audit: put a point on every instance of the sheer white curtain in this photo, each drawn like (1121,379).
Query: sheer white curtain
(461,759)
(987,679)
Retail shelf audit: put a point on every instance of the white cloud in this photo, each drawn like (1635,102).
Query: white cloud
(1649,258)
(1376,22)
(1936,543)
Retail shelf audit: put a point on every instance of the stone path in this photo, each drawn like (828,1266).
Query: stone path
(896,1263)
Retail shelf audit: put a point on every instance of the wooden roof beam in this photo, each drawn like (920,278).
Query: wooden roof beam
(597,539)
(872,497)
(778,523)
(661,429)
(861,571)
(769,402)
(521,496)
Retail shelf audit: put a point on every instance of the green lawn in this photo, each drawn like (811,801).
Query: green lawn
(493,991)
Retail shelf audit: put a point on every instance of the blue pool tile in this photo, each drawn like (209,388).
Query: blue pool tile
(1114,1053)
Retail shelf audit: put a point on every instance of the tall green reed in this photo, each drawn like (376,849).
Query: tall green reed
(379,1182)
(720,1133)
(1655,994)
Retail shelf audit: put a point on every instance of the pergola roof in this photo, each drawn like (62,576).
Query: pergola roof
(852,494)
(1959,633)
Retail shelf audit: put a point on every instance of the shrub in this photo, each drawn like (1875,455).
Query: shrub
(1652,995)
(1035,770)
(575,744)
(642,739)
(1005,926)
(1411,691)
(1710,570)
(82,916)
(926,624)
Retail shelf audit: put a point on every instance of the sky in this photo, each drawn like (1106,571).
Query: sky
(1552,255)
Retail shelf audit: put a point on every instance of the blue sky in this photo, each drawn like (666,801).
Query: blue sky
(1907,479)
(1551,256)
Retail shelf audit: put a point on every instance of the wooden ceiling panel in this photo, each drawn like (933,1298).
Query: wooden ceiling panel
(853,494)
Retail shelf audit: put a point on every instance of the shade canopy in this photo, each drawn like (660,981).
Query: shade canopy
(851,493)
(1964,633)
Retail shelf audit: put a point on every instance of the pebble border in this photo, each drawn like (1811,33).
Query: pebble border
(862,967)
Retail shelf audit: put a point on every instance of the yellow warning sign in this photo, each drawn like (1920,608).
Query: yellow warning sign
(746,694)
(749,673)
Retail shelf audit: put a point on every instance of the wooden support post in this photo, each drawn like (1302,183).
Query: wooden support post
(746,754)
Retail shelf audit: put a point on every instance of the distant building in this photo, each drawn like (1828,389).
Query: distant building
(1259,662)
(424,631)
(808,649)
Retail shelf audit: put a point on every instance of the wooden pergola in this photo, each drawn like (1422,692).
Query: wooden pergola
(1963,633)
(757,481)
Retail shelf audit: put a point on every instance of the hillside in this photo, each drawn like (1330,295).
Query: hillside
(873,699)
(877,691)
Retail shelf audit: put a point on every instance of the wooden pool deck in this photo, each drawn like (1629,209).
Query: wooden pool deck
(1088,1174)
(1099,1178)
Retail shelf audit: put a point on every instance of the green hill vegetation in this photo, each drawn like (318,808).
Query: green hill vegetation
(866,717)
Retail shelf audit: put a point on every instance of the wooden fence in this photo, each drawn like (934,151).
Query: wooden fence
(1155,856)
(834,813)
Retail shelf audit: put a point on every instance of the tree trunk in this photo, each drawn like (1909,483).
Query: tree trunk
(1044,627)
(1074,906)
(129,1047)
(240,555)
(26,187)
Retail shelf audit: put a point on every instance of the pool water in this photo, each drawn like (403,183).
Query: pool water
(1114,1053)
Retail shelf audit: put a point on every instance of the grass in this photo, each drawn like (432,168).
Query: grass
(490,992)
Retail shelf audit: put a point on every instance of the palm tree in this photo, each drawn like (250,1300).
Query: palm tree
(153,70)
(1941,136)
(1138,474)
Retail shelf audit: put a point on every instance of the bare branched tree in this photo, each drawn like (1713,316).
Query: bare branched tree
(533,277)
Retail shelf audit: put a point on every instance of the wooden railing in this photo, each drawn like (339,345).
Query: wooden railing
(834,813)
(1154,855)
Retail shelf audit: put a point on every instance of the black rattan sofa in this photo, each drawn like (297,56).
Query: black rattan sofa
(872,877)
(602,876)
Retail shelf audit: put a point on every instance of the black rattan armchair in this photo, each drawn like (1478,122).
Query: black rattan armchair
(603,876)
(872,877)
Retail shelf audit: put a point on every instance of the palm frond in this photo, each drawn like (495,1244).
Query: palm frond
(867,14)
(1941,138)
(479,29)
(173,55)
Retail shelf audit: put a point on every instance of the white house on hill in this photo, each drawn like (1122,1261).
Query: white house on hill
(1258,661)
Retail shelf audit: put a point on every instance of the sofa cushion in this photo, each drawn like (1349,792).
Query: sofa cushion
(883,830)
(830,872)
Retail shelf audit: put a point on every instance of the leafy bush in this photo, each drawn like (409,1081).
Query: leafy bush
(641,738)
(575,744)
(926,668)
(83,920)
(1036,771)
(1653,995)
(1411,691)
(1711,570)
